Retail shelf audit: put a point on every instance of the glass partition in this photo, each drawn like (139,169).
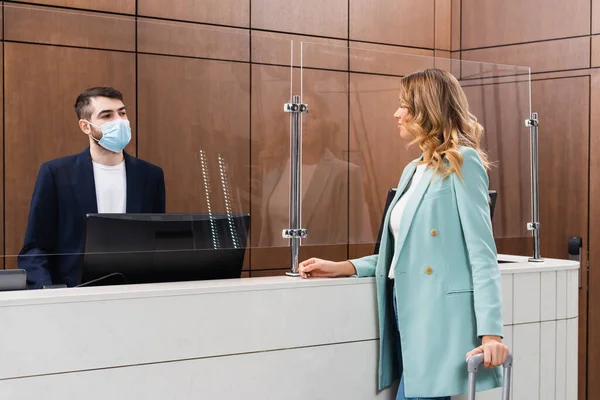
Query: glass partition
(353,154)
(205,105)
(205,109)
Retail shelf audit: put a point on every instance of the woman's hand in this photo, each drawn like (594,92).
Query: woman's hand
(317,268)
(495,352)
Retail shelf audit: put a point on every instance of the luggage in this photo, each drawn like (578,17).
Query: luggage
(476,362)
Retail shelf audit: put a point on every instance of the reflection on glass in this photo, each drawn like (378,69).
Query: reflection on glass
(499,96)
(502,106)
(324,181)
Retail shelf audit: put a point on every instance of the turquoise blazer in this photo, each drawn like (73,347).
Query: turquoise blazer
(447,282)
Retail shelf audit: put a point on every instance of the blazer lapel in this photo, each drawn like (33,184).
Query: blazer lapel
(411,207)
(404,181)
(402,186)
(135,184)
(386,235)
(83,183)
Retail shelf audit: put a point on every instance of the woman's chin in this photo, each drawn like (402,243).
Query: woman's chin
(404,135)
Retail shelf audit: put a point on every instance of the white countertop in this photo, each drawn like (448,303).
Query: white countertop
(516,264)
(520,264)
(269,335)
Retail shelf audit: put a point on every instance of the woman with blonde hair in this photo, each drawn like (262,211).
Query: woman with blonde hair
(437,276)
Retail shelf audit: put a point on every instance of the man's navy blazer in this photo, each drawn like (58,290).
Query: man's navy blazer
(64,193)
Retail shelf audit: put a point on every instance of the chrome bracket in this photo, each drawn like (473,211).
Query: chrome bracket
(532,122)
(295,108)
(294,233)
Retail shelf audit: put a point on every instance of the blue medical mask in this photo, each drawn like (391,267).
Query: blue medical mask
(115,134)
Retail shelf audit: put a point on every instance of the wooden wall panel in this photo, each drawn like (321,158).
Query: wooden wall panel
(121,6)
(222,12)
(65,27)
(388,60)
(269,272)
(563,106)
(492,23)
(456,22)
(45,81)
(521,246)
(203,106)
(361,250)
(399,22)
(443,24)
(593,348)
(582,348)
(556,55)
(193,40)
(2,22)
(595,16)
(595,51)
(562,74)
(298,50)
(311,17)
(2,261)
(443,60)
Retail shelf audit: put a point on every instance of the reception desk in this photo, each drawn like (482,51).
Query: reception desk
(260,338)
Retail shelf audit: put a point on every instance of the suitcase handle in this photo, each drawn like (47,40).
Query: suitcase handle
(473,365)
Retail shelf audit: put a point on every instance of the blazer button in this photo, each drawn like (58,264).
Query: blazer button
(428,270)
(434,232)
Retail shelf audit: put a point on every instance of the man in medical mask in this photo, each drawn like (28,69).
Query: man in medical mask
(101,179)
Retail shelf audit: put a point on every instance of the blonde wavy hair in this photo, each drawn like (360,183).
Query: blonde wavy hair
(439,120)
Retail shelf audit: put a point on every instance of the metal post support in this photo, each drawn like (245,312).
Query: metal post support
(535,225)
(294,232)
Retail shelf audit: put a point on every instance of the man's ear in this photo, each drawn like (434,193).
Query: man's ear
(85,126)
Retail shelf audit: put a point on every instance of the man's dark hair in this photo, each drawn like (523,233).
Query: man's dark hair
(84,100)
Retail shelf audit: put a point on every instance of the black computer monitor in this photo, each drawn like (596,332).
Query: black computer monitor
(13,279)
(150,248)
(493,195)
